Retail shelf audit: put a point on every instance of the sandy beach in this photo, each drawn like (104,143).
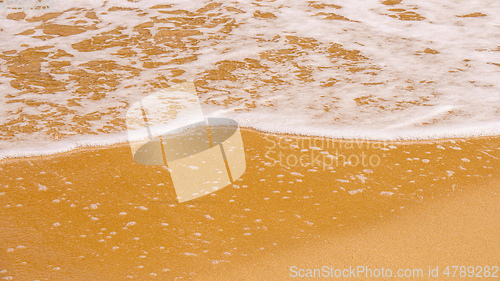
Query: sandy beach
(93,213)
(85,84)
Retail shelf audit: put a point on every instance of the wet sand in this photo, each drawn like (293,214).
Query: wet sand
(94,214)
(458,230)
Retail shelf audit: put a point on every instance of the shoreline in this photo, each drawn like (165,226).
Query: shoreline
(262,132)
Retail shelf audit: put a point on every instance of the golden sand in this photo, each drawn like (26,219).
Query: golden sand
(94,214)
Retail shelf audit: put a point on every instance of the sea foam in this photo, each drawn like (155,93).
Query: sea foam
(411,70)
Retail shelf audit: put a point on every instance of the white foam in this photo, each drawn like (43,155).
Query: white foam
(401,92)
(68,144)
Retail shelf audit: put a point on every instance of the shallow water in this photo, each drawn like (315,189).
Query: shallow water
(380,70)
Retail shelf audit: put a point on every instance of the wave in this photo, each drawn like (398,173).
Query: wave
(384,70)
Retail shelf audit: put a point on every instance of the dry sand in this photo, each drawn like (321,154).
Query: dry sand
(94,214)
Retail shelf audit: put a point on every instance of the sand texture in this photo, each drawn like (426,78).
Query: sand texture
(94,214)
